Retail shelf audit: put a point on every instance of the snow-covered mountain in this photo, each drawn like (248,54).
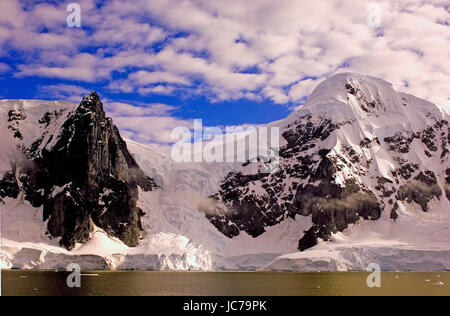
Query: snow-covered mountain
(175,234)
(356,150)
(364,177)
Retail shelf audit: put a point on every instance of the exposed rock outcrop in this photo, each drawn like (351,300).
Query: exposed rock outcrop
(447,183)
(9,186)
(421,190)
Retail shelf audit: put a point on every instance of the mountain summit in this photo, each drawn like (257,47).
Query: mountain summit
(358,149)
(371,101)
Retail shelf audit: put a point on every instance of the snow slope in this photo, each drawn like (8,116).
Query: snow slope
(417,241)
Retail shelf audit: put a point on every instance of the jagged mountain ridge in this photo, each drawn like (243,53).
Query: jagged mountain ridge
(356,149)
(177,236)
(82,174)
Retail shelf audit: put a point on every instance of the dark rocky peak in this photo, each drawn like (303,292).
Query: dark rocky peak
(83,175)
(91,103)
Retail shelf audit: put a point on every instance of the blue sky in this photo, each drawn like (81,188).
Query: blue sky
(160,64)
(213,113)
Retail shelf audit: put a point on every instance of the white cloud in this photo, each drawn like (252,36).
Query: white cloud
(62,92)
(145,78)
(302,89)
(159,89)
(121,109)
(145,82)
(150,129)
(236,49)
(289,40)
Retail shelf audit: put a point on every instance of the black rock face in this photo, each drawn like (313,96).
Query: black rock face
(14,119)
(447,184)
(86,176)
(421,190)
(333,208)
(9,186)
(394,214)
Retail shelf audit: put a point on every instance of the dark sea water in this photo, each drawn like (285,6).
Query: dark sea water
(18,282)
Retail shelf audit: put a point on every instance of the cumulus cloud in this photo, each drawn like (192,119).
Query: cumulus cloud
(149,124)
(158,89)
(62,92)
(302,89)
(150,129)
(121,109)
(145,82)
(255,49)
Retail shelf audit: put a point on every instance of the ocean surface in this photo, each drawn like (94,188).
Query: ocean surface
(96,283)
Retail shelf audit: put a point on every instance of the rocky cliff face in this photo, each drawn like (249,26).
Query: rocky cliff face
(357,149)
(82,174)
